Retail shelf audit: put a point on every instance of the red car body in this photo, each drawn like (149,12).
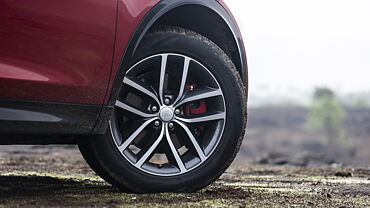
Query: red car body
(64,51)
(61,61)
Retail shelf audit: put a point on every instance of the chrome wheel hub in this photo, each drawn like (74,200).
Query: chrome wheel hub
(166,114)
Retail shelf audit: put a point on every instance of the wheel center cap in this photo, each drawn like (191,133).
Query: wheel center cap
(166,114)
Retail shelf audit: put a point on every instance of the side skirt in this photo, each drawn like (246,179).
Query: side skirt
(35,117)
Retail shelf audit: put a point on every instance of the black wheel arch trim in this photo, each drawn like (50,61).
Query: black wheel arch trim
(148,21)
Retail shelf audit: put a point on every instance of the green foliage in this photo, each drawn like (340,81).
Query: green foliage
(326,114)
(323,92)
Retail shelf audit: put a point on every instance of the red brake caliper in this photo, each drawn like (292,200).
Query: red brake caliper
(197,107)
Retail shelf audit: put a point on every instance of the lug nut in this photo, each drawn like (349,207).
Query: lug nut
(170,125)
(154,108)
(167,101)
(157,123)
(177,111)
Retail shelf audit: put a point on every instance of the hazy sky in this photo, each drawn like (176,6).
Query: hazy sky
(300,44)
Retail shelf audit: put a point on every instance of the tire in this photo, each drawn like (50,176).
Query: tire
(218,139)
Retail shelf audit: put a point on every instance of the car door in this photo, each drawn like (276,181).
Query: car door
(56,51)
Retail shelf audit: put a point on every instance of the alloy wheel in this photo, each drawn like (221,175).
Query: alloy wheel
(169,116)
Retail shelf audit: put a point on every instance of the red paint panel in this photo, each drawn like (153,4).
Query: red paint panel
(55,50)
(130,14)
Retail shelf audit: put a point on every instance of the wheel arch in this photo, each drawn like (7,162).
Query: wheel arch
(206,17)
(210,24)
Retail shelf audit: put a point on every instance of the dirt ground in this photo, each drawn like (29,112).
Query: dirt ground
(36,176)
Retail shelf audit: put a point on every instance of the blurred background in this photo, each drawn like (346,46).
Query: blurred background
(309,89)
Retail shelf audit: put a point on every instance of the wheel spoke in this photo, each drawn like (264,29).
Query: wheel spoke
(193,141)
(133,110)
(162,76)
(174,151)
(198,94)
(149,152)
(217,116)
(141,87)
(131,138)
(183,79)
